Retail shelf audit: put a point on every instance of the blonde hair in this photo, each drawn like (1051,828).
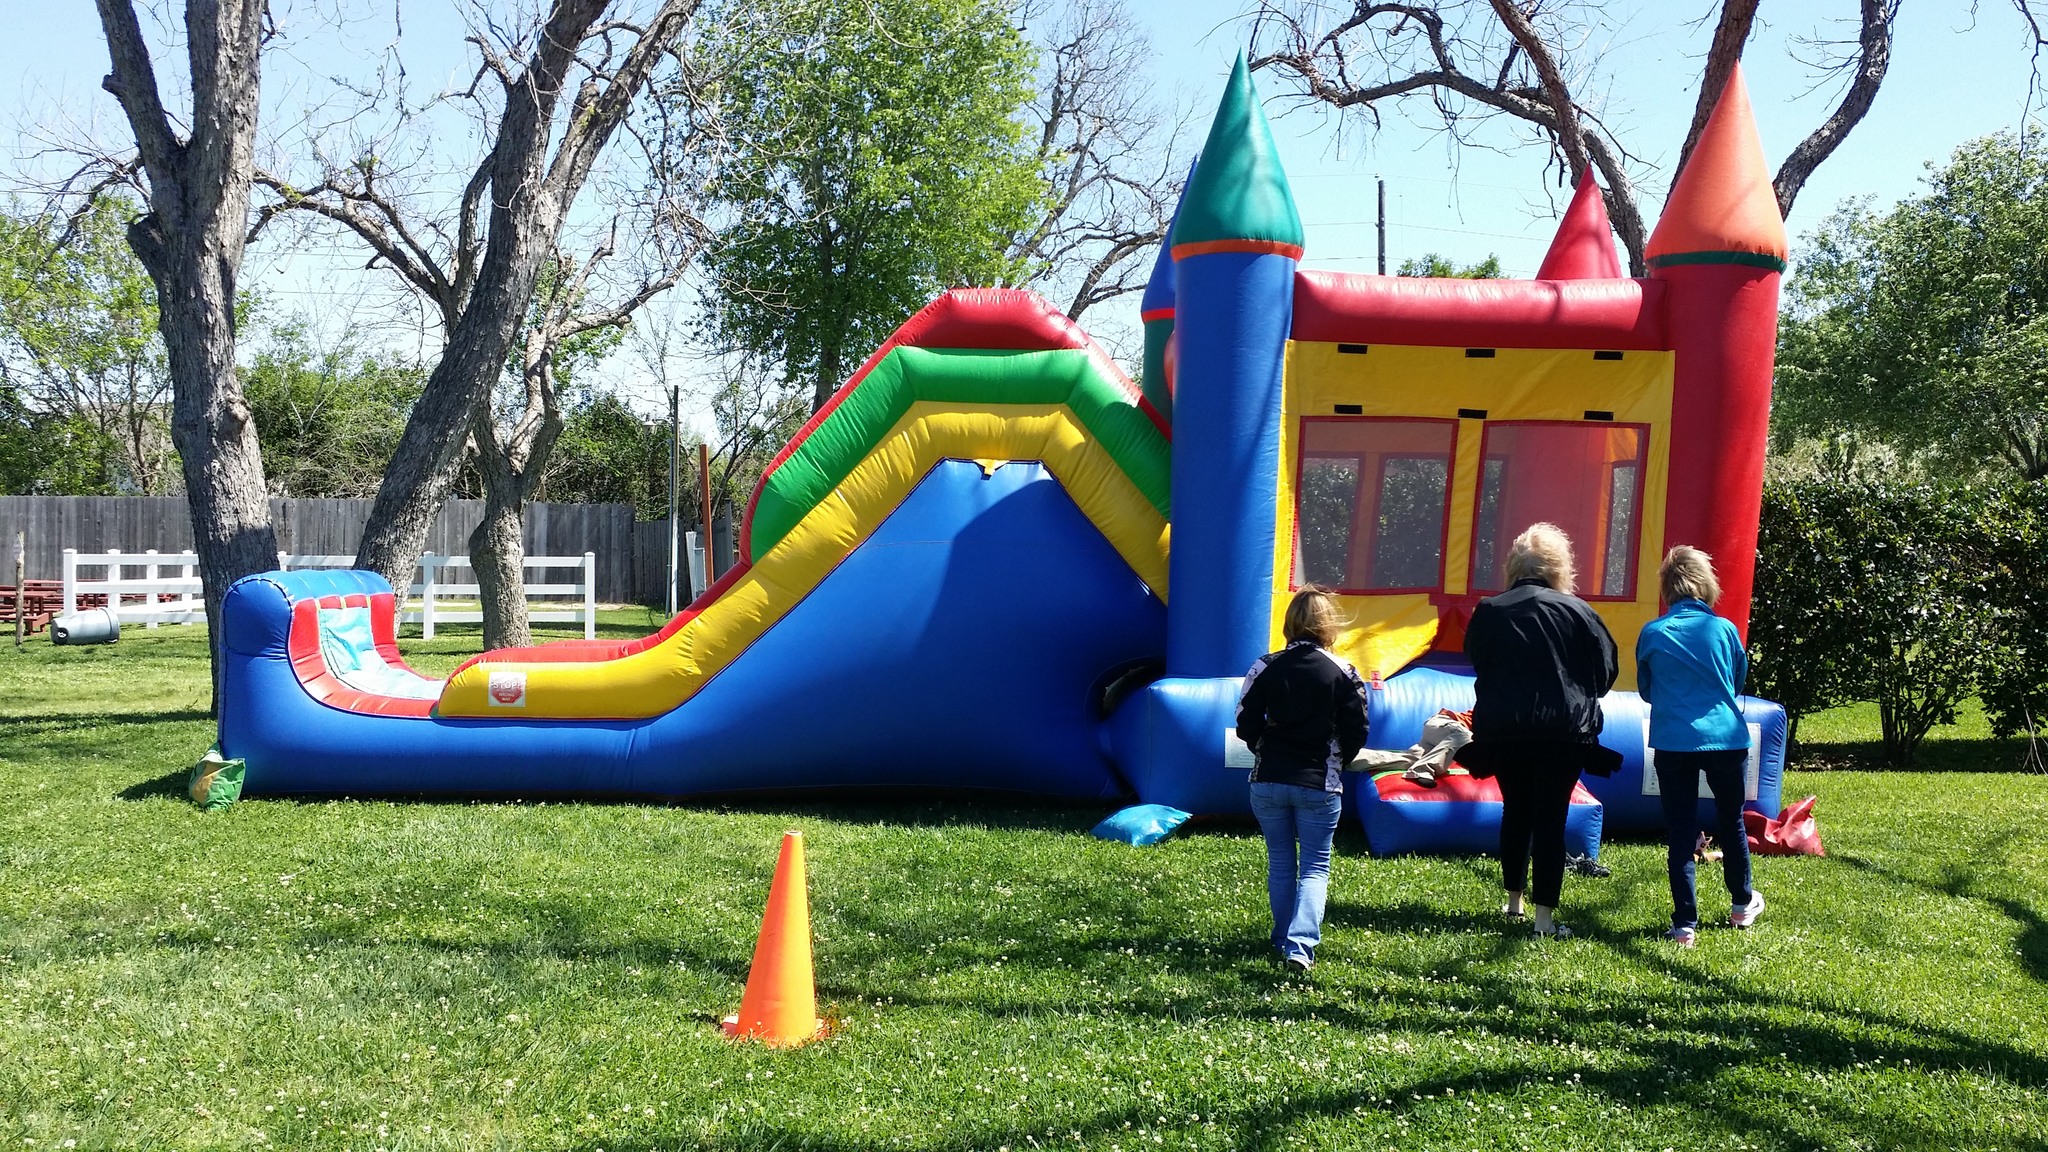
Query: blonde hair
(1543,552)
(1688,574)
(1312,615)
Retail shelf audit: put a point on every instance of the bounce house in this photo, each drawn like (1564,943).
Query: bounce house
(991,563)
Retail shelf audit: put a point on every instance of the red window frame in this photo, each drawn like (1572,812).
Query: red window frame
(1641,463)
(1303,455)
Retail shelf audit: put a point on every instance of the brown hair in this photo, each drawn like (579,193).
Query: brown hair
(1312,615)
(1688,574)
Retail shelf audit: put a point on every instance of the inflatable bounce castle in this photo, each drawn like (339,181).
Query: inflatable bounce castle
(993,564)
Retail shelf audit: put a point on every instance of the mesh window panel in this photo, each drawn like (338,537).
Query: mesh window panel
(1371,503)
(1582,477)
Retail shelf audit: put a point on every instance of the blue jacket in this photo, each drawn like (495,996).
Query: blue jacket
(1689,668)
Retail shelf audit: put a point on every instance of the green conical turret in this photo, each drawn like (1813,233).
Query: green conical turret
(1239,200)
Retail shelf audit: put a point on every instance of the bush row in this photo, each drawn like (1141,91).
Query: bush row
(1917,596)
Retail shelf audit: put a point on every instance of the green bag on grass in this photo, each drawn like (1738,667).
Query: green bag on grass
(216,781)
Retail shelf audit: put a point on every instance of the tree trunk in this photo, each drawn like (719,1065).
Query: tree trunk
(191,242)
(497,554)
(210,421)
(828,377)
(429,453)
(528,194)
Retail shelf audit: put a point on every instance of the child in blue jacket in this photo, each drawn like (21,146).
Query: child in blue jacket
(1689,669)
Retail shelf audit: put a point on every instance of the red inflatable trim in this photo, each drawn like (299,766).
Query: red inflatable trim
(1457,788)
(1352,308)
(1256,247)
(1005,319)
(303,647)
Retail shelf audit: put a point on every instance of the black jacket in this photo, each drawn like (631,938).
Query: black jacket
(1302,713)
(1542,659)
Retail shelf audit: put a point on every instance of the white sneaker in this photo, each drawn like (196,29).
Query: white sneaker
(1745,916)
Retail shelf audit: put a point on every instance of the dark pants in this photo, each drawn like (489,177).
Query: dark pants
(1536,796)
(1678,779)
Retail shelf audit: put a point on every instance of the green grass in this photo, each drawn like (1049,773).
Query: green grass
(465,976)
(1851,737)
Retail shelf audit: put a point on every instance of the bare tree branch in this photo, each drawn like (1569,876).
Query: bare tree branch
(1873,57)
(1730,34)
(1111,174)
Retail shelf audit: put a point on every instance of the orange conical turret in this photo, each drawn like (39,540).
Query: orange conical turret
(1722,210)
(1719,251)
(1584,246)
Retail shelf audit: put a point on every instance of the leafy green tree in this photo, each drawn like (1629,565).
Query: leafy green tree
(329,419)
(2015,684)
(608,454)
(877,157)
(1878,591)
(42,454)
(1442,268)
(1927,325)
(1805,624)
(79,346)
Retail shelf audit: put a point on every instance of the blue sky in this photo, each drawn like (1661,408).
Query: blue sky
(1955,75)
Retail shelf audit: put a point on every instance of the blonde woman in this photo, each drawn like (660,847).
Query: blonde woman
(1541,661)
(1689,668)
(1302,713)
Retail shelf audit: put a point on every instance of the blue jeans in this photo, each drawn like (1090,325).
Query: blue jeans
(1289,814)
(1678,782)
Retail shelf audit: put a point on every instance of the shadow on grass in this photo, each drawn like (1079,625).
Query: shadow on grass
(168,784)
(2030,945)
(881,808)
(1960,755)
(25,727)
(1735,1057)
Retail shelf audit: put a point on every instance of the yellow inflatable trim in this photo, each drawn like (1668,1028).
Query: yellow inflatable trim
(1388,630)
(655,681)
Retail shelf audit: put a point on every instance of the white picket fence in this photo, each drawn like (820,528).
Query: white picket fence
(169,590)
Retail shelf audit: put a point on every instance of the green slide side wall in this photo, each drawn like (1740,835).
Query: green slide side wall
(969,378)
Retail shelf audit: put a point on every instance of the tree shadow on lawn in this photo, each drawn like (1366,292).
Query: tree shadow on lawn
(2030,945)
(1980,754)
(1717,1026)
(34,725)
(1699,1078)
(1776,1116)
(168,784)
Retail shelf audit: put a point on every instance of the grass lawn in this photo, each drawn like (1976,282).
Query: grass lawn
(1850,737)
(458,976)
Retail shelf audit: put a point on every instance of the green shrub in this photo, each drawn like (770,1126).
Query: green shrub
(1890,592)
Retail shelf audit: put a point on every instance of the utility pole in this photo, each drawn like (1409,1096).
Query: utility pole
(675,530)
(1383,227)
(21,581)
(704,483)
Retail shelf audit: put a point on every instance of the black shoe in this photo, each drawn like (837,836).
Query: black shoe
(1587,866)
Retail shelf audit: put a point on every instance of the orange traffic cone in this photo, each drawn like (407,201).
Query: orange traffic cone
(780,1006)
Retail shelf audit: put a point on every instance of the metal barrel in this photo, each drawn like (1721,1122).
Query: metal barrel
(93,626)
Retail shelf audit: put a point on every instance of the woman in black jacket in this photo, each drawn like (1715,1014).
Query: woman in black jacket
(1302,713)
(1542,660)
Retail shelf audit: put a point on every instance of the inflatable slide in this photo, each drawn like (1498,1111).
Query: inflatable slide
(992,563)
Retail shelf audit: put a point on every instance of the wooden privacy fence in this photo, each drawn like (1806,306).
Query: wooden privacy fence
(156,597)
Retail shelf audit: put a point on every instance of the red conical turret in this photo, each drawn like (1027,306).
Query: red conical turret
(1584,246)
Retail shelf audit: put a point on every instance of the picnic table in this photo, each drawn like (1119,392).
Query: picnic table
(41,602)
